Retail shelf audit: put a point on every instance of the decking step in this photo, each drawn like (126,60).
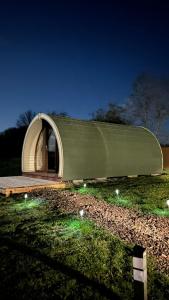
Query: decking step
(23,184)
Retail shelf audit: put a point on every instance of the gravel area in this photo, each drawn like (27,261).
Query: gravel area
(132,226)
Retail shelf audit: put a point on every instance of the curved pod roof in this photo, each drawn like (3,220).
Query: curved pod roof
(90,149)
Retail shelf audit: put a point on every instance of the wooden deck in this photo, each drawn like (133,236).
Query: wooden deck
(21,184)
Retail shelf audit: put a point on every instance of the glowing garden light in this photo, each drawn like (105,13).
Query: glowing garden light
(81,212)
(26,196)
(117,192)
(167,202)
(84,185)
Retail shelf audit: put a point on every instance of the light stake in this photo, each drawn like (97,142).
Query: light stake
(81,212)
(117,192)
(167,202)
(84,185)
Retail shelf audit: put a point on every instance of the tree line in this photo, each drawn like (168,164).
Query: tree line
(147,105)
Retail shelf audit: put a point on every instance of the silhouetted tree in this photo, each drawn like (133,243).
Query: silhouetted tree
(25,118)
(11,141)
(148,105)
(113,114)
(61,114)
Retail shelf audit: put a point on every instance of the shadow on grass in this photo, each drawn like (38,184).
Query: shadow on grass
(55,265)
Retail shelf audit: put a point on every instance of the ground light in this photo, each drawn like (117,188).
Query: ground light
(167,202)
(84,185)
(81,212)
(26,197)
(117,192)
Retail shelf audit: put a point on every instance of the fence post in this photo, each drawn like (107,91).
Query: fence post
(140,273)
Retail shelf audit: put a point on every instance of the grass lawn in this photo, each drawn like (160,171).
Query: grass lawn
(46,254)
(146,193)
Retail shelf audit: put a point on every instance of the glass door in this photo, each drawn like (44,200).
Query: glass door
(51,151)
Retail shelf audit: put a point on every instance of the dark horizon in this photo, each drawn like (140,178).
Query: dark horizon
(76,57)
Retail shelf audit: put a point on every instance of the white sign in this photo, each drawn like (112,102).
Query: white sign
(138,263)
(138,275)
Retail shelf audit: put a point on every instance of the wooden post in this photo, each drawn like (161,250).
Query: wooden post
(140,273)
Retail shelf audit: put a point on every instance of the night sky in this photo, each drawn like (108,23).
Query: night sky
(77,56)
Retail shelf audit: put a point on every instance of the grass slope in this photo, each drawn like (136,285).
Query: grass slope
(146,193)
(50,255)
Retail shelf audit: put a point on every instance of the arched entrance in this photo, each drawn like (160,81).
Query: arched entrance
(42,152)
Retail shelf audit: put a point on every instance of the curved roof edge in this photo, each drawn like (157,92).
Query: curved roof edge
(162,163)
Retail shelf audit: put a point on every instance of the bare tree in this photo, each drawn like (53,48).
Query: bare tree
(148,105)
(113,114)
(61,114)
(25,118)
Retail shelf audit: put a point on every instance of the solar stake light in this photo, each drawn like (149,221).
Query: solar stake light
(140,272)
(81,212)
(26,196)
(167,202)
(84,185)
(117,192)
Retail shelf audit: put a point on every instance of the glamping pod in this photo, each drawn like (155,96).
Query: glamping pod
(73,149)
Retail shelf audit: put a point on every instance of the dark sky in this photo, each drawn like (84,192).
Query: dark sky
(77,56)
